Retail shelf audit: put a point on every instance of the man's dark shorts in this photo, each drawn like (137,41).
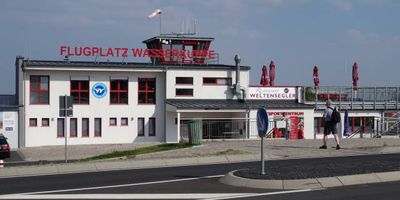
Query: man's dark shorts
(330,128)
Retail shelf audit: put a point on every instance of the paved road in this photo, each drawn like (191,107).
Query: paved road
(192,182)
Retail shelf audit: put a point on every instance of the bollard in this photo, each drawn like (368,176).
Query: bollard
(1,163)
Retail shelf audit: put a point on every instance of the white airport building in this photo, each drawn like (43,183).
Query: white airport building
(121,102)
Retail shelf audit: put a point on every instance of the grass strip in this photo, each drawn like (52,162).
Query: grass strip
(138,151)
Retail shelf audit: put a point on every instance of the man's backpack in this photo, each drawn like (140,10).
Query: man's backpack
(335,118)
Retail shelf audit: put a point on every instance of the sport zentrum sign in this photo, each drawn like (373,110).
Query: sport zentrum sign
(135,52)
(276,93)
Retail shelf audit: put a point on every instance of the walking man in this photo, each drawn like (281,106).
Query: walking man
(329,125)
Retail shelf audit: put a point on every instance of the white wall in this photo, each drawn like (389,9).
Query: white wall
(201,91)
(98,108)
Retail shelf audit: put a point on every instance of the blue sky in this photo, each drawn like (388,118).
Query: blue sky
(296,34)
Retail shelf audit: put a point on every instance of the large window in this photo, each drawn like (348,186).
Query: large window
(119,92)
(140,126)
(73,132)
(39,89)
(97,127)
(147,91)
(80,91)
(85,127)
(60,127)
(152,126)
(217,81)
(184,80)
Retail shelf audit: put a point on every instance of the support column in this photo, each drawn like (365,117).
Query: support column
(178,118)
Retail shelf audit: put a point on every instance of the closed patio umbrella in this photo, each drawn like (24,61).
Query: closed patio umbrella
(315,76)
(355,76)
(272,73)
(264,76)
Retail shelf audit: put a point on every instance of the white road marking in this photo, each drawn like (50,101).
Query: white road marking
(205,196)
(122,185)
(264,194)
(122,196)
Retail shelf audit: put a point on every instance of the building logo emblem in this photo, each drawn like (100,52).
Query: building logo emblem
(99,90)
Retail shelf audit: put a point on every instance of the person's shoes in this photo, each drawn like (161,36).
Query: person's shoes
(323,147)
(337,147)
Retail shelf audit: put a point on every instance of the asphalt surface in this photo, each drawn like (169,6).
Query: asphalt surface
(107,178)
(322,167)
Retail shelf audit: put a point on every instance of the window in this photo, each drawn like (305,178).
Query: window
(217,81)
(39,89)
(184,80)
(113,121)
(124,121)
(184,92)
(140,126)
(147,91)
(152,126)
(97,127)
(45,121)
(60,127)
(85,127)
(73,132)
(80,91)
(32,122)
(119,92)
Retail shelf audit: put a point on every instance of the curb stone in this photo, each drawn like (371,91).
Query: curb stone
(313,183)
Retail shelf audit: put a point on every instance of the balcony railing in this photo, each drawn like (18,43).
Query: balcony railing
(382,98)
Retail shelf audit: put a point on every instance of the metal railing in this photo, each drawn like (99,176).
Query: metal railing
(229,128)
(349,98)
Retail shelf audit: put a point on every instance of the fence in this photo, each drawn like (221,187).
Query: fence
(232,128)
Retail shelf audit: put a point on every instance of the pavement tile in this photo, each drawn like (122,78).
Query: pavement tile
(106,165)
(266,184)
(76,167)
(389,176)
(180,161)
(147,163)
(359,179)
(8,171)
(329,182)
(212,159)
(238,158)
(36,170)
(301,184)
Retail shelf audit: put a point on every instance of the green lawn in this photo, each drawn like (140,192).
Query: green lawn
(138,151)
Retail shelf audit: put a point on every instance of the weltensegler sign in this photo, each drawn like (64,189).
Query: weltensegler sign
(272,93)
(135,52)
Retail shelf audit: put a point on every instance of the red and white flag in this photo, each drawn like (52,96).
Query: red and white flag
(154,14)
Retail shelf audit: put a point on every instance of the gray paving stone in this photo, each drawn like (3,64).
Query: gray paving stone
(329,182)
(76,167)
(239,158)
(212,159)
(266,184)
(147,163)
(359,179)
(301,184)
(8,171)
(37,170)
(107,165)
(180,161)
(389,176)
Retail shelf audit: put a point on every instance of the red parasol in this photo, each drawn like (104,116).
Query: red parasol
(272,73)
(315,75)
(355,76)
(264,76)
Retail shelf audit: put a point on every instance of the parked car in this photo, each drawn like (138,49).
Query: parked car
(4,147)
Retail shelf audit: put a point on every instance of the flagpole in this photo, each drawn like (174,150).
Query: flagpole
(160,24)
